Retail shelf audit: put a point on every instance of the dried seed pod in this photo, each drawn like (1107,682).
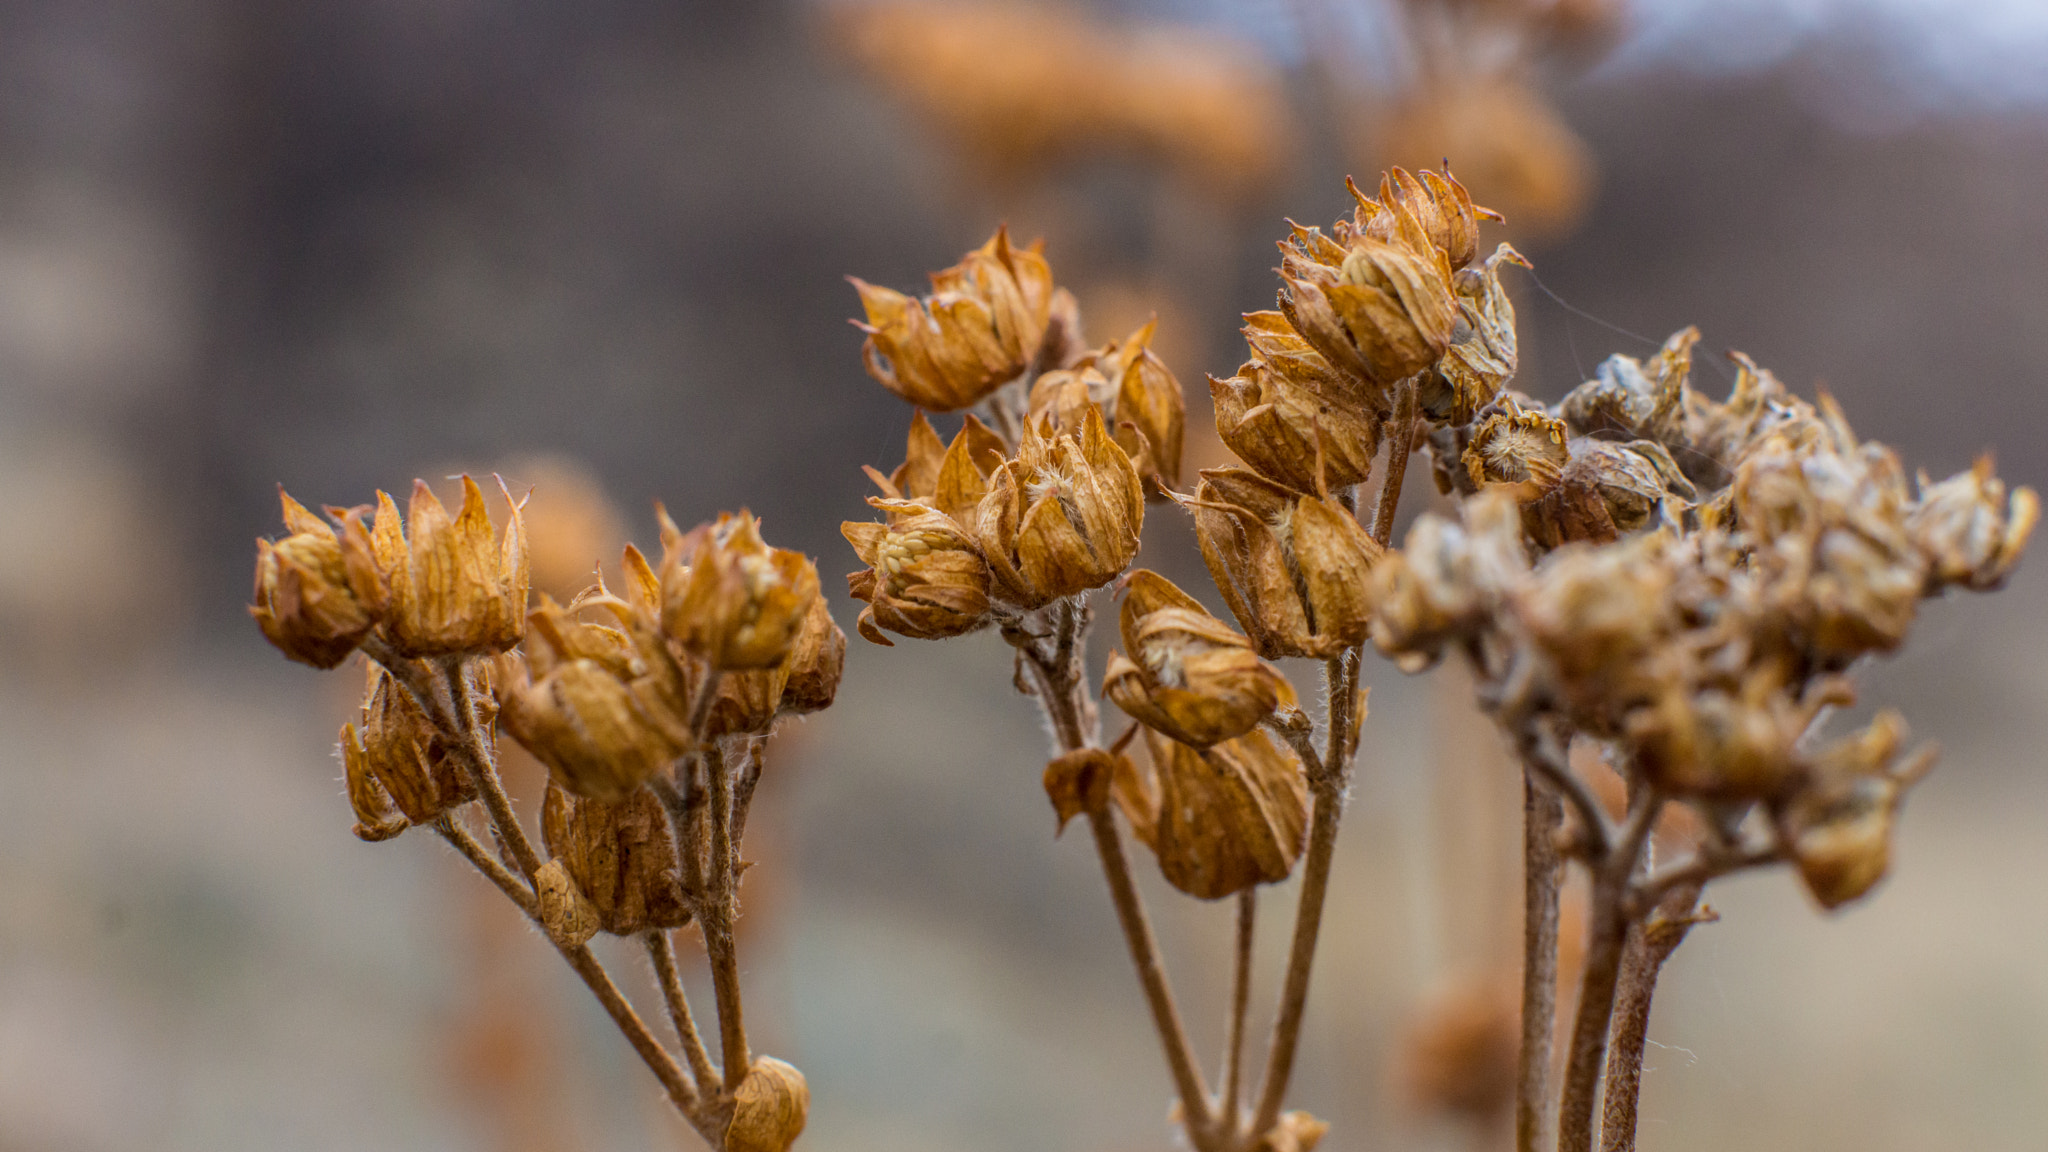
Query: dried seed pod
(565,914)
(1446,579)
(1188,674)
(815,664)
(1839,825)
(1226,817)
(318,593)
(622,858)
(925,579)
(453,588)
(1274,342)
(1483,355)
(1967,530)
(1089,778)
(770,1108)
(1295,1131)
(1063,517)
(1382,311)
(1640,401)
(406,755)
(377,818)
(738,604)
(951,478)
(1292,568)
(1728,745)
(1287,432)
(1597,613)
(1518,446)
(1439,205)
(1150,414)
(599,737)
(981,327)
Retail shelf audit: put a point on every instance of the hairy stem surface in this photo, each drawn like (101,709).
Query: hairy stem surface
(1542,876)
(661,950)
(1649,946)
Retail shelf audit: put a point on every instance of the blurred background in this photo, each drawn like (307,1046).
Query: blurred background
(599,248)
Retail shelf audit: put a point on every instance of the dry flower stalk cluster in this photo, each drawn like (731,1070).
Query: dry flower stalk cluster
(1674,586)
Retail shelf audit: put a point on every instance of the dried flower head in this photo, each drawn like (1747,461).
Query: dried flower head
(401,772)
(951,478)
(925,579)
(621,856)
(1484,353)
(1287,432)
(815,664)
(1446,579)
(1839,826)
(318,593)
(1063,516)
(454,588)
(1225,818)
(1969,533)
(733,601)
(1636,400)
(1188,675)
(981,327)
(1518,447)
(1293,568)
(1380,311)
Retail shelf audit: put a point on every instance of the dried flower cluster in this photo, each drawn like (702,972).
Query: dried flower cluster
(650,709)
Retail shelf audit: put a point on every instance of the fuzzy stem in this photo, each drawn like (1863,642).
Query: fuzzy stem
(1649,946)
(1308,923)
(661,950)
(483,768)
(656,1057)
(1130,912)
(715,922)
(493,869)
(1400,443)
(1542,875)
(1240,999)
(1607,936)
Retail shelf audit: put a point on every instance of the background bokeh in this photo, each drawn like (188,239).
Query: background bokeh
(600,247)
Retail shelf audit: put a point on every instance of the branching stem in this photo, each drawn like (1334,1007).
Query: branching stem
(661,950)
(715,921)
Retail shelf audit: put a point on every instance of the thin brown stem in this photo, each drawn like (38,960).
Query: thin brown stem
(481,858)
(657,1058)
(1130,913)
(474,746)
(1240,1000)
(1649,946)
(716,924)
(1607,937)
(1308,923)
(661,950)
(1400,444)
(707,695)
(1542,876)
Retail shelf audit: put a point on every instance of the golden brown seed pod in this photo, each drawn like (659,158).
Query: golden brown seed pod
(1596,612)
(1063,517)
(1286,432)
(597,735)
(1283,350)
(1446,578)
(1607,489)
(1188,674)
(1518,447)
(1643,400)
(1839,825)
(1382,311)
(377,818)
(1969,533)
(815,664)
(1439,205)
(622,858)
(1483,354)
(408,756)
(454,589)
(980,328)
(318,593)
(1731,745)
(925,579)
(1150,414)
(769,1109)
(1293,569)
(1222,819)
(739,604)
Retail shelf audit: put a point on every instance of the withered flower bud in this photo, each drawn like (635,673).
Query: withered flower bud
(925,579)
(452,589)
(1597,612)
(1607,489)
(592,707)
(1089,778)
(1293,569)
(1273,340)
(739,604)
(400,751)
(1188,674)
(317,593)
(1968,532)
(1224,818)
(1439,205)
(1483,354)
(770,1108)
(377,818)
(621,856)
(1286,432)
(1150,414)
(1640,401)
(815,664)
(981,327)
(1739,745)
(1063,517)
(951,478)
(1518,447)
(1446,578)
(1381,311)
(1839,825)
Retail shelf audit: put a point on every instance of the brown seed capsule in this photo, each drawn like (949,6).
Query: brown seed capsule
(1731,745)
(981,327)
(1439,205)
(1150,414)
(815,664)
(318,593)
(1446,578)
(1518,447)
(925,579)
(1226,817)
(565,914)
(738,604)
(1483,354)
(1382,311)
(1287,432)
(453,590)
(1188,674)
(1283,350)
(1968,532)
(407,755)
(1641,401)
(622,858)
(770,1108)
(1292,568)
(1597,613)
(1839,825)
(1063,517)
(584,718)
(377,818)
